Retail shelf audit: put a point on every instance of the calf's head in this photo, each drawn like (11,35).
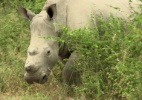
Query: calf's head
(42,53)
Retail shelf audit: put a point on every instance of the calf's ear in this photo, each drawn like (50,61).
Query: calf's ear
(26,13)
(51,11)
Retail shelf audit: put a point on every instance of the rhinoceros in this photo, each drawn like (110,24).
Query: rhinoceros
(75,14)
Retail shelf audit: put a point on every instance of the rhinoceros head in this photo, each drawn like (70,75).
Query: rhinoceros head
(42,53)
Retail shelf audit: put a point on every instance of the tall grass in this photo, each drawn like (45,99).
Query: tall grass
(110,64)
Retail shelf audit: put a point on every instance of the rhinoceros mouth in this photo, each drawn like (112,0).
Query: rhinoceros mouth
(35,78)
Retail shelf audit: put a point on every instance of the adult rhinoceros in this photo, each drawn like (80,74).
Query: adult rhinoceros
(44,53)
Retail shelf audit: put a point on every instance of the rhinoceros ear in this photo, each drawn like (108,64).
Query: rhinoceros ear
(52,11)
(26,13)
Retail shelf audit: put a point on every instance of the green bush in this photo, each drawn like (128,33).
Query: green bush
(111,62)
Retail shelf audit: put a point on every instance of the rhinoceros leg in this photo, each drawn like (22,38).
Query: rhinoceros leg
(70,73)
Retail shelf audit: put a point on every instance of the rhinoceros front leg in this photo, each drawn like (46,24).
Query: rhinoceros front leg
(70,73)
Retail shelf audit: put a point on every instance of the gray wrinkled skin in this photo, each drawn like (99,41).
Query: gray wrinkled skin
(43,53)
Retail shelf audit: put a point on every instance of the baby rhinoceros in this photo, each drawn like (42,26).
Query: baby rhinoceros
(75,14)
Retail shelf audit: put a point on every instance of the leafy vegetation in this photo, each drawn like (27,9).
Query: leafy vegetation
(110,63)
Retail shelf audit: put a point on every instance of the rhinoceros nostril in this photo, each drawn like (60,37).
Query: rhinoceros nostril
(28,68)
(44,78)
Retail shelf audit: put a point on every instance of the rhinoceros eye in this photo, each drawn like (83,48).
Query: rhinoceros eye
(48,52)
